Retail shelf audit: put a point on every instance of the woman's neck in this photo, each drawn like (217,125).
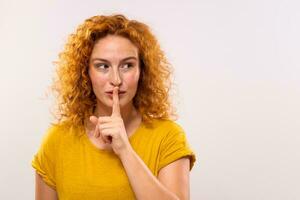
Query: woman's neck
(128,112)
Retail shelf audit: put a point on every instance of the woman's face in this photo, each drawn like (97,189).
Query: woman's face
(114,62)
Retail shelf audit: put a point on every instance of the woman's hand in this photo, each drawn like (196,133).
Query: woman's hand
(111,129)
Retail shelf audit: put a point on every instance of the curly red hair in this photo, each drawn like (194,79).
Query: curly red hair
(75,96)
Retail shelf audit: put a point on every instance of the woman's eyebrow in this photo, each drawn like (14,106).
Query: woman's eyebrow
(124,59)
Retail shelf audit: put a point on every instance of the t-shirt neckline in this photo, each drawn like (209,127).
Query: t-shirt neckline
(130,138)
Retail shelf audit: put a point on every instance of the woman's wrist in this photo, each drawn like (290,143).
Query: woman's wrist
(125,152)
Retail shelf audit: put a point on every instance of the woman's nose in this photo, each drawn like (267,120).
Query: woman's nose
(115,78)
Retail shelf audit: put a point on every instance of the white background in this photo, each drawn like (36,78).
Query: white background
(237,68)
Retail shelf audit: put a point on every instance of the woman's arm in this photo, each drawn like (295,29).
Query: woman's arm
(42,190)
(175,176)
(172,182)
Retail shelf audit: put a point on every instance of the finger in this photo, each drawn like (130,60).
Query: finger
(104,119)
(116,105)
(97,132)
(106,126)
(100,135)
(94,120)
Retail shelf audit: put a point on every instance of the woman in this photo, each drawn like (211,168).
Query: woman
(114,138)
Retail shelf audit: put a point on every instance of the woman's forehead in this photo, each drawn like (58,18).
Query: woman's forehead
(114,46)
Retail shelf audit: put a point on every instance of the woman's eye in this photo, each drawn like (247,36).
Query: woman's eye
(127,65)
(101,66)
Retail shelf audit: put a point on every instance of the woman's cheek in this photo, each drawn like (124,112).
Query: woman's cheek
(132,79)
(99,84)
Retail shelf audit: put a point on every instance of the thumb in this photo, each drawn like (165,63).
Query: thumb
(94,120)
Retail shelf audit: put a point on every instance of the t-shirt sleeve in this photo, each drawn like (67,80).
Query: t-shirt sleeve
(174,147)
(44,160)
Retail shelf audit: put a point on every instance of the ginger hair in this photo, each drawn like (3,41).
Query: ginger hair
(76,100)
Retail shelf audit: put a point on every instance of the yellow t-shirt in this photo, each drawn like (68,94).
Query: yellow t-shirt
(69,162)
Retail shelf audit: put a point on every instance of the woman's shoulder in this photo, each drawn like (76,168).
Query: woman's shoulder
(56,131)
(165,128)
(167,124)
